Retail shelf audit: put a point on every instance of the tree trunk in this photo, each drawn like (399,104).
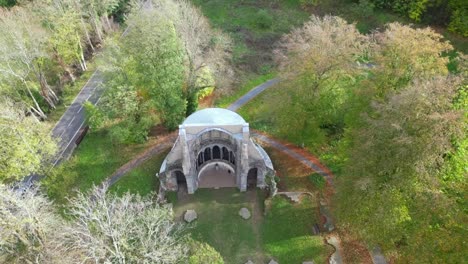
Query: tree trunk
(88,38)
(37,109)
(81,57)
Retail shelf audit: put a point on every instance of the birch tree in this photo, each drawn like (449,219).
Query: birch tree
(30,228)
(25,143)
(207,50)
(22,56)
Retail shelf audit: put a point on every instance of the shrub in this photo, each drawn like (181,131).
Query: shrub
(317,180)
(263,19)
(204,253)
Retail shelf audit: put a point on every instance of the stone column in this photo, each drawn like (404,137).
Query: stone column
(186,161)
(244,158)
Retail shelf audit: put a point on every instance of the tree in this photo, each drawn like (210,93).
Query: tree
(100,227)
(147,69)
(207,50)
(30,228)
(394,191)
(22,58)
(127,229)
(26,144)
(319,62)
(403,53)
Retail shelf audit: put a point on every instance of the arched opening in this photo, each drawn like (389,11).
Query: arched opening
(225,154)
(252,178)
(216,175)
(181,180)
(216,152)
(207,154)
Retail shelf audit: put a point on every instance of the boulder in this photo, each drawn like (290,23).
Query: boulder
(190,215)
(272,262)
(244,213)
(308,262)
(249,262)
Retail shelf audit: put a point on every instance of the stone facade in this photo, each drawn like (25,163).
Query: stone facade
(214,138)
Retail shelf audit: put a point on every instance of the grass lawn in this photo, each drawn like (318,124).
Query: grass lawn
(219,224)
(96,158)
(141,180)
(254,26)
(258,238)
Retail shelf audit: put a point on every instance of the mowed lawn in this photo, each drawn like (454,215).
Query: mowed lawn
(284,234)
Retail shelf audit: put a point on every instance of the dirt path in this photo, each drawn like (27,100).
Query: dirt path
(257,218)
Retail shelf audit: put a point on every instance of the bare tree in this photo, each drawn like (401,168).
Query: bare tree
(127,229)
(30,228)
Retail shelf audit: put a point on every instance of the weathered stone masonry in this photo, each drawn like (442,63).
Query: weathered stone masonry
(214,138)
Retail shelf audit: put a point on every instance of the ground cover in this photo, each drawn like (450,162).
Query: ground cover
(292,174)
(287,231)
(93,161)
(219,224)
(259,238)
(254,26)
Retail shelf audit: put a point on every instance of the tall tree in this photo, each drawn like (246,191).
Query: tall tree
(30,228)
(319,61)
(127,229)
(22,58)
(207,50)
(392,191)
(25,143)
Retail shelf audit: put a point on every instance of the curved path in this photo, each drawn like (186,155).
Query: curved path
(251,94)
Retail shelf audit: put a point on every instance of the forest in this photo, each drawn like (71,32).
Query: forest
(377,90)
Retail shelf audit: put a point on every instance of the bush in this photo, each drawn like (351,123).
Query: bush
(308,3)
(317,180)
(263,19)
(364,8)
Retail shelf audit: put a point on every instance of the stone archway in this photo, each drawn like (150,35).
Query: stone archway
(181,180)
(217,175)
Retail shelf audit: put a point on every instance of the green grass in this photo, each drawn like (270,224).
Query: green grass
(284,234)
(258,112)
(287,232)
(141,180)
(244,88)
(253,25)
(96,158)
(219,224)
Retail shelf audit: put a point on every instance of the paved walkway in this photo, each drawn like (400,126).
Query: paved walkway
(72,123)
(252,93)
